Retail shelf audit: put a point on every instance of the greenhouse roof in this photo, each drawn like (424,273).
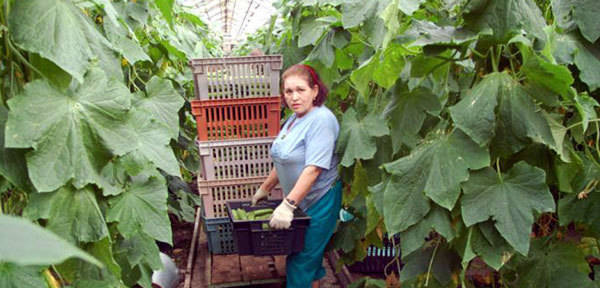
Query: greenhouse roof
(234,19)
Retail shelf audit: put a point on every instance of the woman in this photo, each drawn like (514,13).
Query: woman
(306,168)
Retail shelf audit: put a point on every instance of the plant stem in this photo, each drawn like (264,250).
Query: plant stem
(52,282)
(597,138)
(581,122)
(499,49)
(493,58)
(431,262)
(498,169)
(22,58)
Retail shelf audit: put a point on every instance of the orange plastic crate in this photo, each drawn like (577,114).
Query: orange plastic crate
(237,118)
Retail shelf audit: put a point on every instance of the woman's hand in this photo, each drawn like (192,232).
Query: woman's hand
(259,195)
(283,215)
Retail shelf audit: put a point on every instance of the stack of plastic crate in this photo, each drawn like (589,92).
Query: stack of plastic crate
(237,113)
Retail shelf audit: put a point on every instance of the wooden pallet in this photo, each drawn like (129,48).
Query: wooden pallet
(235,270)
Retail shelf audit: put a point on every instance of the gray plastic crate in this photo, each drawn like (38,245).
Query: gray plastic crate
(236,77)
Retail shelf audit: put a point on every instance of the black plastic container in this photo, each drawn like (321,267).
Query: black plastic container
(252,239)
(378,257)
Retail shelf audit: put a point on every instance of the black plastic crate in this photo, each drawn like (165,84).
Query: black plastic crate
(378,257)
(219,233)
(252,239)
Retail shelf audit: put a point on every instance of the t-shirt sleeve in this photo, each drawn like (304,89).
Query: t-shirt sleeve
(320,142)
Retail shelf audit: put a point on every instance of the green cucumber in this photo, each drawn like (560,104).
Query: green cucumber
(263,211)
(243,214)
(235,214)
(262,217)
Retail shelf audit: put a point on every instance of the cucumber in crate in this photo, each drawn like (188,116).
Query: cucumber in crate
(253,235)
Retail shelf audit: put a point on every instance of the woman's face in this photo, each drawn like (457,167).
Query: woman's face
(298,95)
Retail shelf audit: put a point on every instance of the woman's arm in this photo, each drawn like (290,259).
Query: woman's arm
(271,181)
(304,183)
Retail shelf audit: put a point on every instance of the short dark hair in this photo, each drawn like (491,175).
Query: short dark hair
(312,78)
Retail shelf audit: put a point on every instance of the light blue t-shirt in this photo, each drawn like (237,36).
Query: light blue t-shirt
(310,141)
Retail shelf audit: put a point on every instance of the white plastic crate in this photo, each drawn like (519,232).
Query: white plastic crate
(216,193)
(232,159)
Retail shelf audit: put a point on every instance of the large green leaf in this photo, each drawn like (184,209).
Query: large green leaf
(475,113)
(139,249)
(437,169)
(151,142)
(584,14)
(403,206)
(586,17)
(110,10)
(59,77)
(312,29)
(585,106)
(25,243)
(142,207)
(103,251)
(355,12)
(407,112)
(72,133)
(520,121)
(562,10)
(73,214)
(59,31)
(163,102)
(390,19)
(515,195)
(374,31)
(324,51)
(166,9)
(585,210)
(483,240)
(553,77)
(560,264)
(572,48)
(414,237)
(357,137)
(384,68)
(12,160)
(441,265)
(427,33)
(408,7)
(13,276)
(506,18)
(587,59)
(128,47)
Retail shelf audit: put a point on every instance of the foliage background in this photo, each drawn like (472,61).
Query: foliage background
(469,128)
(98,140)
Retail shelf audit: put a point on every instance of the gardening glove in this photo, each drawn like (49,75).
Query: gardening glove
(283,215)
(259,195)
